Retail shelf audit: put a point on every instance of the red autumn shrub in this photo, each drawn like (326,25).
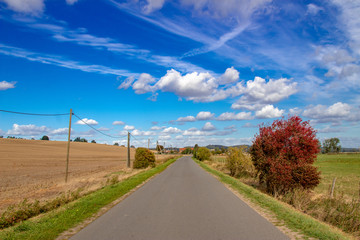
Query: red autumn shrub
(283,154)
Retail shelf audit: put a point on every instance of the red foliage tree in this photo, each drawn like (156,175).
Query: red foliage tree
(283,154)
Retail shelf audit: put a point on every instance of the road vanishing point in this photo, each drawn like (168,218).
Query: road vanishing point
(183,202)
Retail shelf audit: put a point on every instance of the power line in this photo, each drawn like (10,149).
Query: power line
(95,128)
(36,114)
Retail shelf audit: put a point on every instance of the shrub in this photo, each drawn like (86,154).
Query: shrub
(283,154)
(144,158)
(203,154)
(238,162)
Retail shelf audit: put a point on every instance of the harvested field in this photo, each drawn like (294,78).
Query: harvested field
(35,170)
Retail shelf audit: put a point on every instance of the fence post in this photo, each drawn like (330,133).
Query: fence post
(68,149)
(128,160)
(332,188)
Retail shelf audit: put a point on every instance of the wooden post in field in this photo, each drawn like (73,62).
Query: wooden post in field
(332,188)
(128,160)
(68,149)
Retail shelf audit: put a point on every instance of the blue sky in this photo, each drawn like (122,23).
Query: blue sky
(179,72)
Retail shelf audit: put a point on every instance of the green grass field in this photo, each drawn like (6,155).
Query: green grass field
(346,169)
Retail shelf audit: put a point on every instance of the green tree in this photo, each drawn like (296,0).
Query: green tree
(331,145)
(203,153)
(93,141)
(46,138)
(116,144)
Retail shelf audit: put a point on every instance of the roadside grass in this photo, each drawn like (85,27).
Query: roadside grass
(346,169)
(291,218)
(50,225)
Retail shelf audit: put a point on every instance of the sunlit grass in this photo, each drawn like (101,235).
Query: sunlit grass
(346,169)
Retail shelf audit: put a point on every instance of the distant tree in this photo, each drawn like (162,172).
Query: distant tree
(203,153)
(187,151)
(78,139)
(116,144)
(1,136)
(331,145)
(132,146)
(45,138)
(283,154)
(93,141)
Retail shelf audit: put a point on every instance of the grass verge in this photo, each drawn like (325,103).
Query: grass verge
(50,225)
(293,219)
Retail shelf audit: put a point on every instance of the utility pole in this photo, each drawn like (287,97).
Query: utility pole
(68,149)
(164,148)
(128,160)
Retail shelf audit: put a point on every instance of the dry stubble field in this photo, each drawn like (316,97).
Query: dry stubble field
(35,170)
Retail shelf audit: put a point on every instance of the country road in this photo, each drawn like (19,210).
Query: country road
(183,202)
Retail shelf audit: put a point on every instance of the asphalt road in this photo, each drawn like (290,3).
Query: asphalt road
(183,202)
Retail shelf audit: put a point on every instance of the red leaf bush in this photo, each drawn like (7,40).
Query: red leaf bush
(283,154)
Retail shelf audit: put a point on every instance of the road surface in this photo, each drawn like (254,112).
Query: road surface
(183,202)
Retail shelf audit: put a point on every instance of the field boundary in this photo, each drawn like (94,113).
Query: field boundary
(288,216)
(67,220)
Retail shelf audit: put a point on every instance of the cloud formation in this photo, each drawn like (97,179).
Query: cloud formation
(269,111)
(4,85)
(87,121)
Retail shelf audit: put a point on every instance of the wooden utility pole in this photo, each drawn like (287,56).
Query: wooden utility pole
(68,149)
(128,160)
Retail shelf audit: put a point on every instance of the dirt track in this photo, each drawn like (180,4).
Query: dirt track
(35,169)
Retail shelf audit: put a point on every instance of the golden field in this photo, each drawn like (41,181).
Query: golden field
(35,169)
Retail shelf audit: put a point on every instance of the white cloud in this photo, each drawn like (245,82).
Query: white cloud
(142,85)
(259,93)
(71,2)
(295,111)
(118,123)
(33,7)
(60,61)
(249,125)
(157,128)
(231,75)
(33,130)
(350,20)
(4,85)
(334,113)
(204,116)
(87,121)
(103,129)
(171,130)
(313,9)
(186,119)
(127,83)
(208,127)
(137,132)
(129,128)
(153,5)
(60,131)
(269,111)
(192,85)
(27,130)
(229,116)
